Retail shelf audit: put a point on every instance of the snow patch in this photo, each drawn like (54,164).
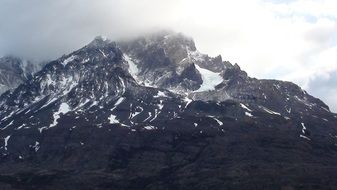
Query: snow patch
(305,137)
(303,128)
(150,115)
(248,114)
(69,59)
(48,103)
(102,53)
(217,120)
(11,123)
(245,107)
(304,132)
(133,69)
(136,112)
(161,105)
(288,110)
(118,102)
(210,79)
(160,94)
(36,146)
(21,126)
(64,108)
(270,111)
(156,113)
(187,100)
(149,127)
(113,119)
(6,141)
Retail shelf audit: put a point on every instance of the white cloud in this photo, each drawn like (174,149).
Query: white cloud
(285,39)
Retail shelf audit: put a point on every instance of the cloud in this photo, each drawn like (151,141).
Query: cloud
(292,40)
(325,87)
(47,29)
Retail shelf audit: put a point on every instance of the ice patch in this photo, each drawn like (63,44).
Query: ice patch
(210,79)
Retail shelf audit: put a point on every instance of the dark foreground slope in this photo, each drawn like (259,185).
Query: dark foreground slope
(142,114)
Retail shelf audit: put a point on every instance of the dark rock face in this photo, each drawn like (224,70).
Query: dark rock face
(154,113)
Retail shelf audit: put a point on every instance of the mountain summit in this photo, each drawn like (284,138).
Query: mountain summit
(155,113)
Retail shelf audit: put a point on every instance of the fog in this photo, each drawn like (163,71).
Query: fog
(291,40)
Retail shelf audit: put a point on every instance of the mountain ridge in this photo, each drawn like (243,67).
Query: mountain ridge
(154,113)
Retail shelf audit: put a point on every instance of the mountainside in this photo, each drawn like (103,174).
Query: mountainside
(14,71)
(155,113)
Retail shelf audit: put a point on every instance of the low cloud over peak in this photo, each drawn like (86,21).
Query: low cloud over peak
(288,40)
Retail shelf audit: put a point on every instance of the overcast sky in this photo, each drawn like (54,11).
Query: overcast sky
(294,40)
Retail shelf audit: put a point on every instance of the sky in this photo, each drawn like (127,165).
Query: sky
(293,40)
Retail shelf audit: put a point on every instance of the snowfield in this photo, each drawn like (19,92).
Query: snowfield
(210,79)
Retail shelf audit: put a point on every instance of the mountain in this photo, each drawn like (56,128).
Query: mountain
(14,71)
(155,113)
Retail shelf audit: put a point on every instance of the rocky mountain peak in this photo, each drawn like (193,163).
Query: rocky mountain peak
(14,71)
(154,110)
(99,41)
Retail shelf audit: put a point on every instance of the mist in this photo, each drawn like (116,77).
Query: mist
(287,40)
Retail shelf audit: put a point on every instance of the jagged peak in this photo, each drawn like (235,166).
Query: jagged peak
(10,57)
(164,39)
(99,41)
(167,37)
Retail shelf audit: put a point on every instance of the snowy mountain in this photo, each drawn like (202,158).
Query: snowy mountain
(155,113)
(14,71)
